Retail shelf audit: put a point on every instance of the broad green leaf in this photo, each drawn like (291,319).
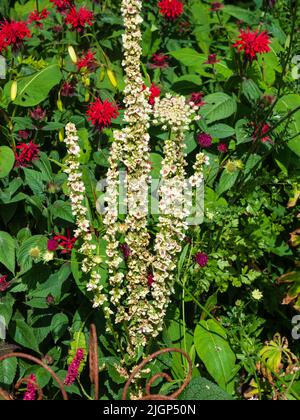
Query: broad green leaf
(59,325)
(218,106)
(227,181)
(221,131)
(24,258)
(156,160)
(7,160)
(215,352)
(23,335)
(62,210)
(34,89)
(7,251)
(248,16)
(8,370)
(286,104)
(204,390)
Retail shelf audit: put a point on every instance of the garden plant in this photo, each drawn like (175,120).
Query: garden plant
(149,200)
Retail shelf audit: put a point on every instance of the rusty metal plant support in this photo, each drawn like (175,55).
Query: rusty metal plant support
(150,382)
(93,360)
(37,362)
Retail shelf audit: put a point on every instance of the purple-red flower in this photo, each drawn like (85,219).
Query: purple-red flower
(79,19)
(216,6)
(150,279)
(126,251)
(67,90)
(73,370)
(212,59)
(4,284)
(261,132)
(204,140)
(52,245)
(159,61)
(197,98)
(222,148)
(30,394)
(24,135)
(28,153)
(101,114)
(201,259)
(38,114)
(252,43)
(88,62)
(171,9)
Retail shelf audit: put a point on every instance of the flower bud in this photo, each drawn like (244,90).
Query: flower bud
(14,90)
(72,54)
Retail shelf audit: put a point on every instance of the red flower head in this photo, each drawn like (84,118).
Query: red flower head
(73,370)
(4,284)
(201,259)
(101,113)
(261,132)
(204,140)
(154,93)
(62,5)
(79,19)
(216,6)
(38,114)
(37,17)
(197,98)
(67,90)
(159,61)
(24,135)
(150,279)
(88,61)
(52,245)
(13,34)
(252,43)
(28,153)
(30,394)
(65,243)
(222,148)
(212,59)
(171,9)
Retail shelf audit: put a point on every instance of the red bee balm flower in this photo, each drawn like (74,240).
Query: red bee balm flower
(65,243)
(61,5)
(36,17)
(13,34)
(212,59)
(197,98)
(216,6)
(252,43)
(28,153)
(4,284)
(171,9)
(73,370)
(261,132)
(88,61)
(102,113)
(159,61)
(79,19)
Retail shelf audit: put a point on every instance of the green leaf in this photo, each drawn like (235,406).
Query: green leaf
(221,131)
(8,370)
(62,210)
(59,325)
(7,251)
(213,349)
(239,13)
(251,90)
(156,160)
(204,390)
(7,160)
(227,181)
(23,254)
(34,89)
(286,104)
(23,335)
(218,106)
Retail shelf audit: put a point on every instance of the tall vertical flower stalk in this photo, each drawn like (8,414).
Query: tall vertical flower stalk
(76,186)
(132,150)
